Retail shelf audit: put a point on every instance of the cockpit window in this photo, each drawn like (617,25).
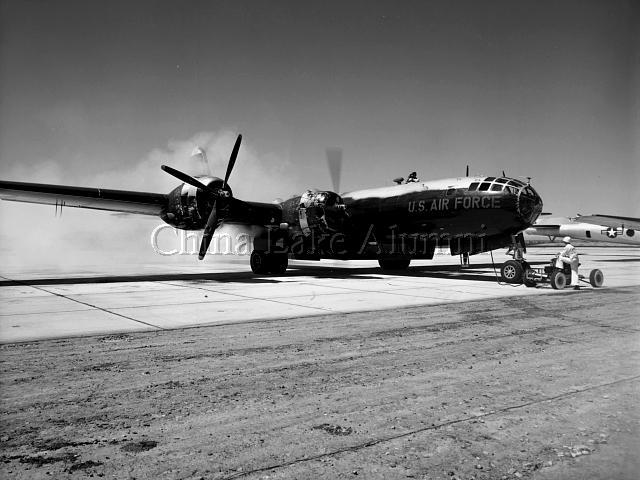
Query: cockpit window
(511,189)
(496,187)
(501,180)
(484,186)
(473,186)
(489,179)
(451,191)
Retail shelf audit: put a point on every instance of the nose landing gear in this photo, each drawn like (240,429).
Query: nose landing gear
(512,271)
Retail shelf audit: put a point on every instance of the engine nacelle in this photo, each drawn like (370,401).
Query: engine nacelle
(321,212)
(188,206)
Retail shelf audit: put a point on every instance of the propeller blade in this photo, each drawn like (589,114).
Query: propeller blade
(209,229)
(334,160)
(232,160)
(188,179)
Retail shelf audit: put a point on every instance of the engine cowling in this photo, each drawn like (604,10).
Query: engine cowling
(321,212)
(188,206)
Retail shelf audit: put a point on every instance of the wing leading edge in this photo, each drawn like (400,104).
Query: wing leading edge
(143,203)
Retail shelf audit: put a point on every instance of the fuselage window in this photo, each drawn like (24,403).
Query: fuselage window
(496,187)
(473,187)
(588,233)
(484,186)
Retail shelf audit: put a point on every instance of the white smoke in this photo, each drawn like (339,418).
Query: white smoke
(33,238)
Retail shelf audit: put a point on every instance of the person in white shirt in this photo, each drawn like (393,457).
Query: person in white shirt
(569,255)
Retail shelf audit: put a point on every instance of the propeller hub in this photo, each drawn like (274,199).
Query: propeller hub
(214,188)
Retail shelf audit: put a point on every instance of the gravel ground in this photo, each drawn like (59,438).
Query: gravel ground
(531,387)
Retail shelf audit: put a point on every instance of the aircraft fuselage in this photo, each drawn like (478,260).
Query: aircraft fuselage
(486,211)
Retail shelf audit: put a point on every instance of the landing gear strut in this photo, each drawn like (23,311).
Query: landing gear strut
(512,271)
(262,262)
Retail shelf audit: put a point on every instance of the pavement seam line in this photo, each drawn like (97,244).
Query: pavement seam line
(353,289)
(247,297)
(378,441)
(85,303)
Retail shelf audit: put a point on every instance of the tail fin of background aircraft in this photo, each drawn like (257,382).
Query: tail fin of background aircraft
(199,155)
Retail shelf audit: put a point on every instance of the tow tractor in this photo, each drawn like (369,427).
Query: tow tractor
(519,271)
(558,277)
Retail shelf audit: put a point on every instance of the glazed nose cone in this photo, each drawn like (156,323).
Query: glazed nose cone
(529,205)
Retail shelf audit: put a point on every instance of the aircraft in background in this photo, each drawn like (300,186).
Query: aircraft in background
(595,228)
(393,224)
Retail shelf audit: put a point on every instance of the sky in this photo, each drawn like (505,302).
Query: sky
(100,93)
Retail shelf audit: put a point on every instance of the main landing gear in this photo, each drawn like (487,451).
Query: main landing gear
(262,262)
(400,263)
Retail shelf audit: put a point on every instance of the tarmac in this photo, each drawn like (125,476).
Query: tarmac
(338,371)
(50,303)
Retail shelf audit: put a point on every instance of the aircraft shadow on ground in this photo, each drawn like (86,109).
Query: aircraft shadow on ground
(476,272)
(479,272)
(626,260)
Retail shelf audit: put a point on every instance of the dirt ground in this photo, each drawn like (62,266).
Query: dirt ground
(532,387)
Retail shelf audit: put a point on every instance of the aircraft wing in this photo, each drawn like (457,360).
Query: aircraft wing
(544,230)
(611,221)
(142,203)
(545,227)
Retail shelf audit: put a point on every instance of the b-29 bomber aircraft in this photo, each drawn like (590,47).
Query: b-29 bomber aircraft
(393,224)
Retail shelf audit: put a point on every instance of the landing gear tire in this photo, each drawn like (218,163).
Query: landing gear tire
(394,263)
(511,271)
(259,262)
(527,280)
(262,262)
(596,278)
(558,280)
(278,263)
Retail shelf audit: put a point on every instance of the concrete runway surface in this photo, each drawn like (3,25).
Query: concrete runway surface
(108,299)
(332,371)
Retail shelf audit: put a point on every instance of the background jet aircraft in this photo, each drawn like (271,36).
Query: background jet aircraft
(391,224)
(595,228)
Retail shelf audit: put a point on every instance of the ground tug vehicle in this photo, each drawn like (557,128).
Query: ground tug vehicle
(518,270)
(559,277)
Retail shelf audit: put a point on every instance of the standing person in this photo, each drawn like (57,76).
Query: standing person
(569,255)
